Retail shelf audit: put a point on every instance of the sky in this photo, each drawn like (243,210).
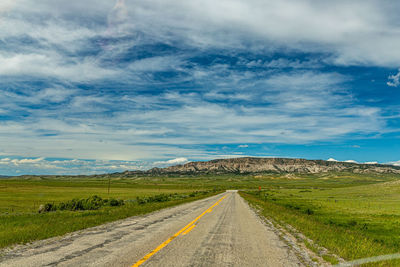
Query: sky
(100,86)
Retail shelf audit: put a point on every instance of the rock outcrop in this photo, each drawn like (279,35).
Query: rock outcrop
(250,165)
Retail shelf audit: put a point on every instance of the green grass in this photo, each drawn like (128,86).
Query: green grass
(26,196)
(20,200)
(352,222)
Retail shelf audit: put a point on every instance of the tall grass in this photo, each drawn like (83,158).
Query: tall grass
(348,235)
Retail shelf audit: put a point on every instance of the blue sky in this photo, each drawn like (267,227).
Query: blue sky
(104,86)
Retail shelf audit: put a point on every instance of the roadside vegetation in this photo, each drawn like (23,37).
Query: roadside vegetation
(68,206)
(353,222)
(90,203)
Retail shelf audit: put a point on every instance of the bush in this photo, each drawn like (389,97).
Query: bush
(115,202)
(48,207)
(90,203)
(96,202)
(93,203)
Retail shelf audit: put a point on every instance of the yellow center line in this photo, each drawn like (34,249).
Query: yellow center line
(190,225)
(189,229)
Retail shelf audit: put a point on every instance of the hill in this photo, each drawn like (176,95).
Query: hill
(249,165)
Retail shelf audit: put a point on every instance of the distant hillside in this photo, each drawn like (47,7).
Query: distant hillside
(263,165)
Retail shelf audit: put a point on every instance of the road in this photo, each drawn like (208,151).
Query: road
(218,231)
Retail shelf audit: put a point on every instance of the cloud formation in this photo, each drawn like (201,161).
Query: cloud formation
(21,166)
(351,161)
(173,161)
(395,163)
(150,80)
(394,80)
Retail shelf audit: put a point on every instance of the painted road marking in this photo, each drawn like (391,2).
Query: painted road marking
(145,258)
(189,229)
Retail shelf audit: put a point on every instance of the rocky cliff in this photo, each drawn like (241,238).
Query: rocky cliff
(263,165)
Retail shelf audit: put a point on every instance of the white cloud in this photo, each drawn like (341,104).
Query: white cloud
(394,80)
(172,161)
(395,163)
(332,159)
(54,94)
(95,126)
(371,162)
(214,95)
(19,166)
(52,65)
(156,64)
(354,33)
(308,80)
(281,63)
(27,160)
(351,161)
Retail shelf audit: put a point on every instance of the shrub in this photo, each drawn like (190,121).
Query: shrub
(90,203)
(115,202)
(96,202)
(309,211)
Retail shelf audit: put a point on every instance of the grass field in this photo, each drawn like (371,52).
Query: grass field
(352,222)
(26,196)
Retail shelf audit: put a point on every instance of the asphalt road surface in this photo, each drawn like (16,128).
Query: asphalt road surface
(218,231)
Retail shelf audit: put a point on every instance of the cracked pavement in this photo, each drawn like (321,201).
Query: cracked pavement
(231,234)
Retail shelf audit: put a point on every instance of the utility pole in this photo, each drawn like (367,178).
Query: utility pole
(109,184)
